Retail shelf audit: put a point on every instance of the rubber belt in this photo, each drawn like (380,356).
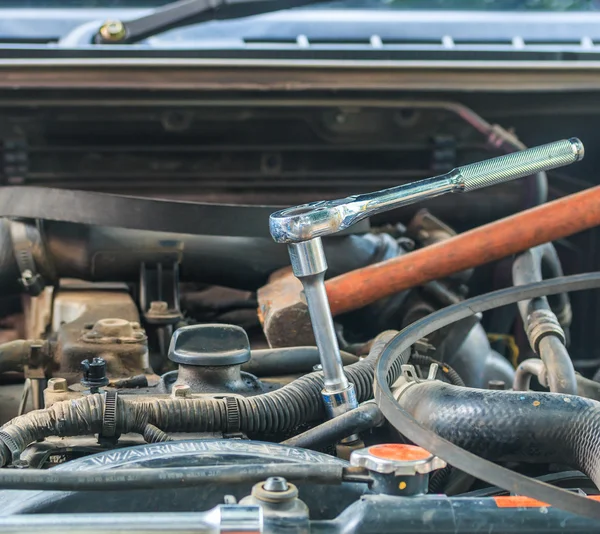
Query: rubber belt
(102,209)
(454,455)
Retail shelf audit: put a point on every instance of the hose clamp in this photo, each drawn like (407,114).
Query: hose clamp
(542,323)
(31,281)
(232,409)
(410,377)
(109,418)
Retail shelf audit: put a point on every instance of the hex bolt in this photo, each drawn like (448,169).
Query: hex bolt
(181,390)
(58,384)
(113,30)
(276,484)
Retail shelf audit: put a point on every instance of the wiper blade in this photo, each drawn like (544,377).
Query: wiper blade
(186,12)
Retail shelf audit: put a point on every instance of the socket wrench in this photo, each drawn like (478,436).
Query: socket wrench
(302,227)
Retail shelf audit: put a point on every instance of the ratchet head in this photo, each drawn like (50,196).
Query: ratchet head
(307,221)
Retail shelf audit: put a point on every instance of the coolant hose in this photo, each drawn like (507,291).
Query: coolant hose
(510,425)
(278,411)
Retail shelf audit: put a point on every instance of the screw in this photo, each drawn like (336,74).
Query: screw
(276,484)
(113,30)
(181,390)
(57,384)
(27,274)
(317,367)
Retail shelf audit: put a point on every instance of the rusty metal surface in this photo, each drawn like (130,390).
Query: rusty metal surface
(199,75)
(77,310)
(283,311)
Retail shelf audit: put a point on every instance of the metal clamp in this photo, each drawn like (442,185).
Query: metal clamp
(109,418)
(31,281)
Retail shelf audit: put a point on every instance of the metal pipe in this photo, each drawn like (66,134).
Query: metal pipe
(527,369)
(221,519)
(561,374)
(548,222)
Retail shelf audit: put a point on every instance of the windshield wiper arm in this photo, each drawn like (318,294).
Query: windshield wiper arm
(186,12)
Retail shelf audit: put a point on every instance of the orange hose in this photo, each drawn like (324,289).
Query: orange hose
(548,222)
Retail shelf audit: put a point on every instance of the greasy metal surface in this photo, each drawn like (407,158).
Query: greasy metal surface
(76,312)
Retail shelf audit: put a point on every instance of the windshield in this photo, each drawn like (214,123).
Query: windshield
(464,5)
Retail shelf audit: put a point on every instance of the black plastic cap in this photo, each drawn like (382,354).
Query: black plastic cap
(210,345)
(94,373)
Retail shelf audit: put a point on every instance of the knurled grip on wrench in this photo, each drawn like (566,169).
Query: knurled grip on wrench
(316,219)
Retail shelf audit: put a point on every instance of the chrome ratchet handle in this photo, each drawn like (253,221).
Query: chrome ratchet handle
(316,219)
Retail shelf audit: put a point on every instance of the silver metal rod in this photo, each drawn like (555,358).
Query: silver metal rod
(300,223)
(334,378)
(221,519)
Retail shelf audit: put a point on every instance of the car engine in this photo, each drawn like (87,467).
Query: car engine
(407,345)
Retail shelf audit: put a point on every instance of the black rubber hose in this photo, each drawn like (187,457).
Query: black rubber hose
(279,411)
(531,427)
(288,361)
(529,267)
(460,458)
(365,417)
(166,477)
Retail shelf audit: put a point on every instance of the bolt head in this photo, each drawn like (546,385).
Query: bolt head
(113,30)
(58,384)
(276,484)
(181,390)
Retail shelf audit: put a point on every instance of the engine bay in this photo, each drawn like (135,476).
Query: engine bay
(412,343)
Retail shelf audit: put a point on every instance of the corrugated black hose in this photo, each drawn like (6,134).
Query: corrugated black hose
(278,411)
(517,426)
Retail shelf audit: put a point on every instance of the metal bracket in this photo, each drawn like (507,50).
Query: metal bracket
(159,293)
(410,377)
